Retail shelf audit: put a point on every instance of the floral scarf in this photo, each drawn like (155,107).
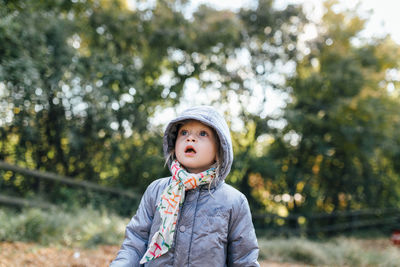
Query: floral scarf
(171,199)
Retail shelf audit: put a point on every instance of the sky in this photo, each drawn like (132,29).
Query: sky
(384,18)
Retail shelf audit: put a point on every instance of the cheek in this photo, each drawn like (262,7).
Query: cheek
(214,150)
(178,146)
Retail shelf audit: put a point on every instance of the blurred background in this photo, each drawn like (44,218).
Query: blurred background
(310,90)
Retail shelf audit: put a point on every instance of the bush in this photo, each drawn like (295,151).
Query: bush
(340,251)
(85,227)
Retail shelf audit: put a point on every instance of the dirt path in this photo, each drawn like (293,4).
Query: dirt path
(20,254)
(28,254)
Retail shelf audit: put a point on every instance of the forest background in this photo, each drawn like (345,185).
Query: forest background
(84,86)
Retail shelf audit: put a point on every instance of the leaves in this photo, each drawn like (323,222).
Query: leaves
(344,119)
(80,82)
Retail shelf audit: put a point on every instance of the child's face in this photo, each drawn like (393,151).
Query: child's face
(196,146)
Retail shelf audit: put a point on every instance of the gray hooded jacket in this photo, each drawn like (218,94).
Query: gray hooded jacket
(214,227)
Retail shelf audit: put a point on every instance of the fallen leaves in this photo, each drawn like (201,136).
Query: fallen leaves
(34,255)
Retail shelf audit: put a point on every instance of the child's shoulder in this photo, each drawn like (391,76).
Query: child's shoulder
(154,190)
(230,194)
(160,184)
(229,188)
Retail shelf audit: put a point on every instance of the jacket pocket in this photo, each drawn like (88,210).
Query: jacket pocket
(215,223)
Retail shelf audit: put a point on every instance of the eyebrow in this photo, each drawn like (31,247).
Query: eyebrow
(203,128)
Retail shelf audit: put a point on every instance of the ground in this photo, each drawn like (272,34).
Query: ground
(20,254)
(29,254)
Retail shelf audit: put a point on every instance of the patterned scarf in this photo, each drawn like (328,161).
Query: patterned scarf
(171,199)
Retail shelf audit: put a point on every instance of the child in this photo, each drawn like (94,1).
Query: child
(192,218)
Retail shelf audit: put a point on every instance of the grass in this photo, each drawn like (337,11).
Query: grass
(83,228)
(339,251)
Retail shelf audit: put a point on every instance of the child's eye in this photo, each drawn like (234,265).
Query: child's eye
(203,133)
(184,132)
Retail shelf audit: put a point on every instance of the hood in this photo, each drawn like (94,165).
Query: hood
(210,117)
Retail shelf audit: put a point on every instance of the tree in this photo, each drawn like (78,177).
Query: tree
(339,147)
(80,81)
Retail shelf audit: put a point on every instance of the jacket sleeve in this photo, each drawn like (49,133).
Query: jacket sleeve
(137,231)
(242,240)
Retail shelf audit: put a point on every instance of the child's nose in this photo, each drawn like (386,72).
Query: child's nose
(191,138)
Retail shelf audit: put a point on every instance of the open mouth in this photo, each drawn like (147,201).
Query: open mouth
(190,150)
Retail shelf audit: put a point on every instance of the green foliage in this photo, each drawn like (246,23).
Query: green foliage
(69,73)
(79,81)
(340,251)
(83,227)
(339,146)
